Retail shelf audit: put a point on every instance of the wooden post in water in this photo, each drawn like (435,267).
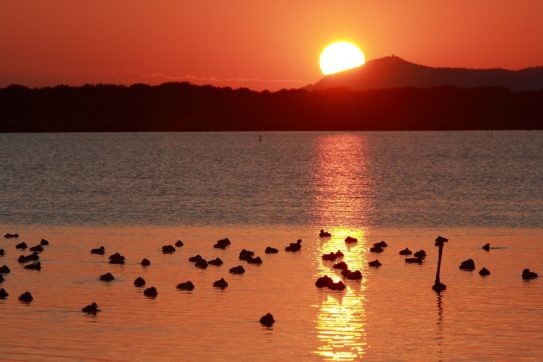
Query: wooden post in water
(438,286)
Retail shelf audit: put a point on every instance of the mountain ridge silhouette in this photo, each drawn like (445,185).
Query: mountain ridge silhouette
(395,72)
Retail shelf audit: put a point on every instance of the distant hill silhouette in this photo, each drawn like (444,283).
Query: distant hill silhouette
(394,72)
(186,107)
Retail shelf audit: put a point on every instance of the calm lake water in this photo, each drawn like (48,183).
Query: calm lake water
(134,193)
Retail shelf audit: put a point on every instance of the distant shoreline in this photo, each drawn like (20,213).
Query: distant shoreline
(183,107)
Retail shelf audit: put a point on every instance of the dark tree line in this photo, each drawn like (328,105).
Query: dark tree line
(186,107)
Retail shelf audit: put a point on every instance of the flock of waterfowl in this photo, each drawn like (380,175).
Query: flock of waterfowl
(32,263)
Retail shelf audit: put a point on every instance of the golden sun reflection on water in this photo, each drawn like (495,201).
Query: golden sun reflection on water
(342,206)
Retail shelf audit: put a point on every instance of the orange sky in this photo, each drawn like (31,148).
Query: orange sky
(257,44)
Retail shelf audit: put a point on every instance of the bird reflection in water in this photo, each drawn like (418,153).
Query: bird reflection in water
(342,206)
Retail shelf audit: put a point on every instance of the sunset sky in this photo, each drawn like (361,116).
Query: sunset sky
(255,44)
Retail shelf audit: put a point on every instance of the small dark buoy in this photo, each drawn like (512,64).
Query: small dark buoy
(44,242)
(145,262)
(324,234)
(150,292)
(202,264)
(267,320)
(220,283)
(3,293)
(270,250)
(216,262)
(34,266)
(4,269)
(168,249)
(484,272)
(376,249)
(350,240)
(116,259)
(38,248)
(185,286)
(222,244)
(179,243)
(100,251)
(468,265)
(405,251)
(21,246)
(26,297)
(376,263)
(294,247)
(352,275)
(91,309)
(237,270)
(341,266)
(107,277)
(139,282)
(527,274)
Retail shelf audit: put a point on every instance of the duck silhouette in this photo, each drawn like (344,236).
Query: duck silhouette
(467,265)
(246,254)
(405,251)
(168,249)
(179,243)
(222,244)
(376,263)
(26,297)
(38,248)
(350,240)
(2,252)
(3,293)
(484,272)
(216,262)
(256,260)
(294,247)
(324,234)
(116,259)
(267,320)
(270,250)
(185,286)
(150,292)
(21,246)
(34,266)
(139,282)
(237,270)
(195,258)
(9,236)
(527,274)
(99,251)
(352,275)
(486,247)
(202,264)
(107,277)
(44,242)
(145,262)
(220,283)
(4,269)
(91,309)
(341,266)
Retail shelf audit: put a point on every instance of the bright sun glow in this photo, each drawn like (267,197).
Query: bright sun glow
(340,56)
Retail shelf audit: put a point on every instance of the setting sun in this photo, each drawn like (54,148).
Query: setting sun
(340,56)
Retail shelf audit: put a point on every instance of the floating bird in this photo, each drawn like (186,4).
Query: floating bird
(486,247)
(350,240)
(195,258)
(324,234)
(376,263)
(270,250)
(222,244)
(168,249)
(220,283)
(256,260)
(107,277)
(116,259)
(421,254)
(341,266)
(4,269)
(216,262)
(26,297)
(8,235)
(139,282)
(44,242)
(484,272)
(468,265)
(246,254)
(150,292)
(145,262)
(26,258)
(2,252)
(3,293)
(440,242)
(179,243)
(267,320)
(352,275)
(381,244)
(237,270)
(294,247)
(413,260)
(185,286)
(376,249)
(202,264)
(323,281)
(21,246)
(37,248)
(405,251)
(527,274)
(91,309)
(100,251)
(1,278)
(34,266)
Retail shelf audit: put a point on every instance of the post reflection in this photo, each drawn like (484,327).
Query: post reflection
(342,207)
